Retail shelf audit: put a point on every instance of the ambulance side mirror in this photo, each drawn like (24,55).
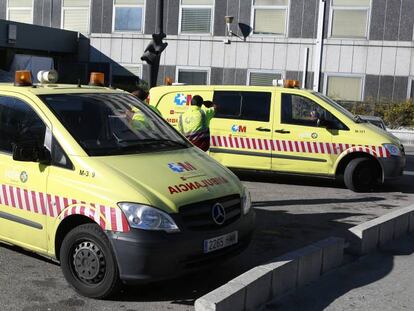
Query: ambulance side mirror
(31,152)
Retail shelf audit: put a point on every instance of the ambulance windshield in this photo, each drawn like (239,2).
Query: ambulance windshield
(113,124)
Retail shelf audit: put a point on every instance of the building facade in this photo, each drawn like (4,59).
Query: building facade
(366,51)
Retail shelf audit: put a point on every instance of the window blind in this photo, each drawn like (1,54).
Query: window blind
(345,88)
(194,20)
(270,21)
(263,78)
(76,20)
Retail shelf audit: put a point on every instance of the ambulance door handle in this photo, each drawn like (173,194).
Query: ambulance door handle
(282,131)
(262,129)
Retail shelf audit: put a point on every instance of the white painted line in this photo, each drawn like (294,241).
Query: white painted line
(409,173)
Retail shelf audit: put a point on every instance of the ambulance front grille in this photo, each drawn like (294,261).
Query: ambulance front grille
(198,216)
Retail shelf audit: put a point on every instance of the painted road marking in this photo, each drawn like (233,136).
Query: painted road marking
(411,173)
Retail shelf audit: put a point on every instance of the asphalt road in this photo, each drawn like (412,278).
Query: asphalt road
(291,212)
(380,281)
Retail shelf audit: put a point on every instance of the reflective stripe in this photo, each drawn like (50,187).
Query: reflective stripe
(41,203)
(295,146)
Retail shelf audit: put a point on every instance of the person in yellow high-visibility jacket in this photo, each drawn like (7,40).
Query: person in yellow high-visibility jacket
(137,119)
(194,123)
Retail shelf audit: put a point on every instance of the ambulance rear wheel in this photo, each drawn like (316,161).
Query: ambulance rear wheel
(361,175)
(88,263)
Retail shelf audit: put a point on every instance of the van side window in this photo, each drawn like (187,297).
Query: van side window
(18,123)
(243,105)
(300,110)
(59,157)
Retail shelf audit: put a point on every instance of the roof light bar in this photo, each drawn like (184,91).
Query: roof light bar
(23,78)
(97,79)
(50,76)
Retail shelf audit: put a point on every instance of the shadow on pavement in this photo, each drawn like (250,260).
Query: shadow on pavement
(367,270)
(404,184)
(276,178)
(277,232)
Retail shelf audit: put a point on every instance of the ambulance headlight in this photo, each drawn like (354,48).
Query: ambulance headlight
(393,149)
(246,201)
(148,218)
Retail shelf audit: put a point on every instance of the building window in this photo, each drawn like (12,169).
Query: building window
(346,88)
(260,78)
(20,11)
(75,15)
(196,16)
(128,15)
(270,17)
(349,18)
(193,76)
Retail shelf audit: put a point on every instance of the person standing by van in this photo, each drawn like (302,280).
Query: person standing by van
(194,123)
(142,95)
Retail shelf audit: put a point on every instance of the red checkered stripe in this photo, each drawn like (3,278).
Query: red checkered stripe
(294,146)
(107,217)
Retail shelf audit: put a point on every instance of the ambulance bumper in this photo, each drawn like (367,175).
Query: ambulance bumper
(147,256)
(393,167)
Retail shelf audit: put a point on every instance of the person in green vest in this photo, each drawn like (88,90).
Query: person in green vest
(142,95)
(194,123)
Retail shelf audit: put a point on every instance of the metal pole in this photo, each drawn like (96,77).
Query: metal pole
(305,67)
(317,61)
(160,19)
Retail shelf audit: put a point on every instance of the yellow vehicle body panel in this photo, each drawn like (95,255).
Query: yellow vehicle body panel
(35,199)
(274,144)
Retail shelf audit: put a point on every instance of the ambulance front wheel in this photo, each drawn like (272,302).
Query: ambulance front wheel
(361,175)
(88,262)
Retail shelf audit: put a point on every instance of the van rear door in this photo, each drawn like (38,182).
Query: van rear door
(241,130)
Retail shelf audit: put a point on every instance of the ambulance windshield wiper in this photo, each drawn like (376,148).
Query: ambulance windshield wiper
(163,140)
(140,142)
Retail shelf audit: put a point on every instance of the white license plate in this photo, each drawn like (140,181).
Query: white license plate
(220,242)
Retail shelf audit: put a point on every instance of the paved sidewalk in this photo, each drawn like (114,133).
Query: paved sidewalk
(380,281)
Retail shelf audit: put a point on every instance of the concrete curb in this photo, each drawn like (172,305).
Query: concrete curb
(372,234)
(254,288)
(262,284)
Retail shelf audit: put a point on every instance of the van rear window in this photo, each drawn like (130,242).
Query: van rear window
(253,106)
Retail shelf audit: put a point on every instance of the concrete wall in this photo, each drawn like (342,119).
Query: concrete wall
(385,60)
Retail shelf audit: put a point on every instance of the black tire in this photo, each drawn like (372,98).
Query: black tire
(88,262)
(362,175)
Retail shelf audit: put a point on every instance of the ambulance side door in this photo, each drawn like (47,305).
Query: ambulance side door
(22,184)
(242,129)
(302,144)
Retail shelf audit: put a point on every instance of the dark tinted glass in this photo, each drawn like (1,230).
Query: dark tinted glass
(300,110)
(243,105)
(112,124)
(192,77)
(19,123)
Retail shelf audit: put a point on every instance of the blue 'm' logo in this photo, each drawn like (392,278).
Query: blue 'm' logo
(176,168)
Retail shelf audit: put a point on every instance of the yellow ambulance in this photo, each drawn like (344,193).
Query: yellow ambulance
(286,129)
(92,177)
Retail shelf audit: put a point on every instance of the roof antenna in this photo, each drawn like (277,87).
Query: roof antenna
(79,83)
